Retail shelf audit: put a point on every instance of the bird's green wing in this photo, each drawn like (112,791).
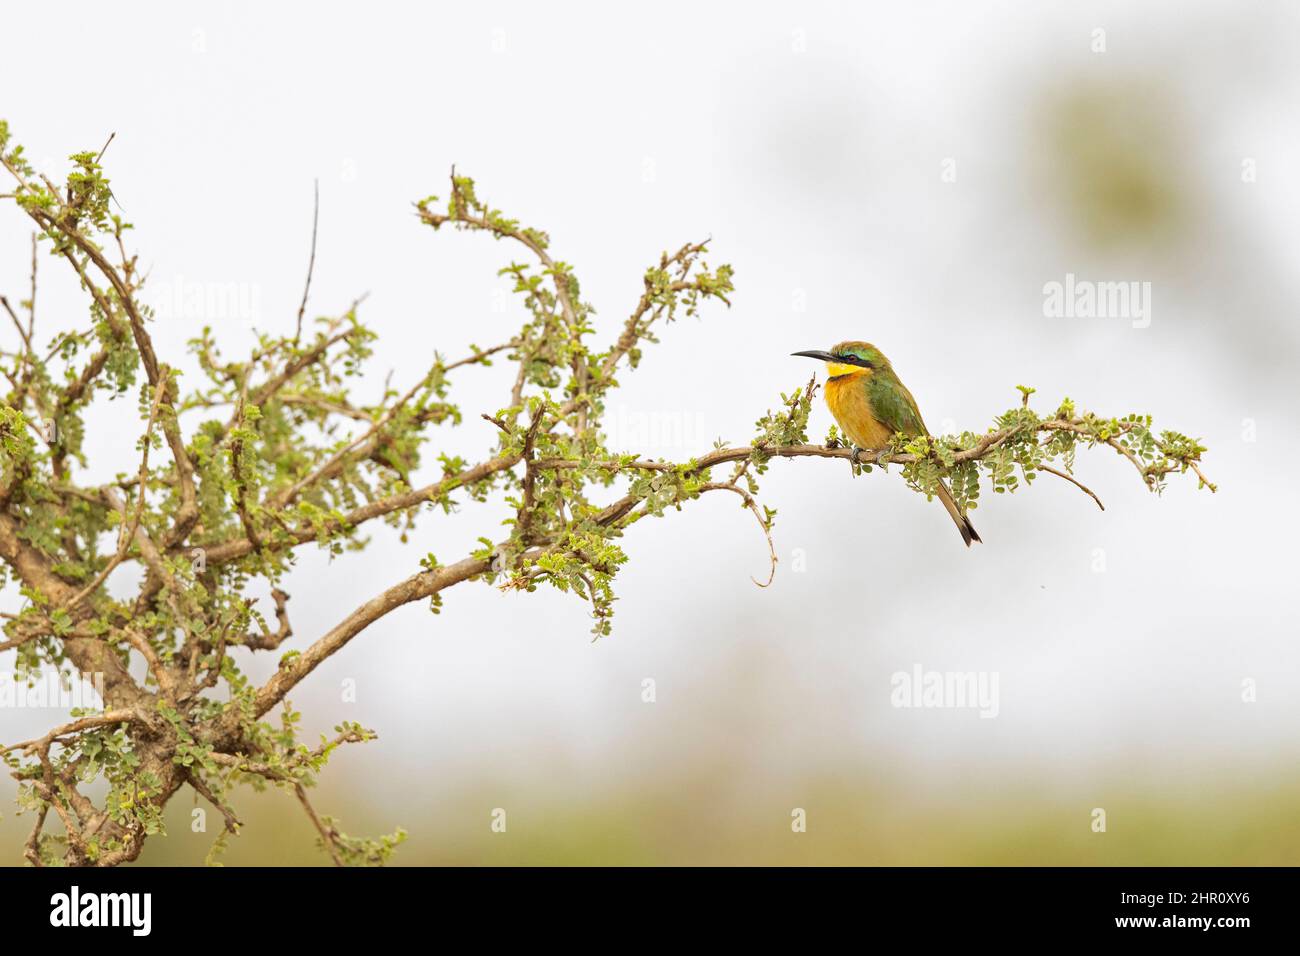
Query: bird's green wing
(892,404)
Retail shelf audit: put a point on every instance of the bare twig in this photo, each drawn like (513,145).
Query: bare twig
(752,505)
(233,822)
(1074,481)
(311,262)
(74,727)
(328,835)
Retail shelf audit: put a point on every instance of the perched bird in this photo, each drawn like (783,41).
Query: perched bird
(871,404)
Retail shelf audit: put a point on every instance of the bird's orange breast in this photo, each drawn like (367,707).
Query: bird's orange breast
(846,395)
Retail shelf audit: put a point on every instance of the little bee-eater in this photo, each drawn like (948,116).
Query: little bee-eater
(871,404)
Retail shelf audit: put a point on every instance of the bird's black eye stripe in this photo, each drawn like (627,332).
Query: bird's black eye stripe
(853,360)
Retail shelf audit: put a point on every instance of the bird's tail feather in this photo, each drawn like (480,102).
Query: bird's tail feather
(968,533)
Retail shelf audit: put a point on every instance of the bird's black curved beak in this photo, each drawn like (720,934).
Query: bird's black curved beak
(824,356)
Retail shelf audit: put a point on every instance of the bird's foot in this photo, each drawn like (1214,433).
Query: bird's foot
(855,456)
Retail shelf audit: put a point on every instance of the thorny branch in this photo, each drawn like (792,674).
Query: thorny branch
(280,450)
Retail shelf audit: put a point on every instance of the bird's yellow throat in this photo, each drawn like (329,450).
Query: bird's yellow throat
(836,369)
